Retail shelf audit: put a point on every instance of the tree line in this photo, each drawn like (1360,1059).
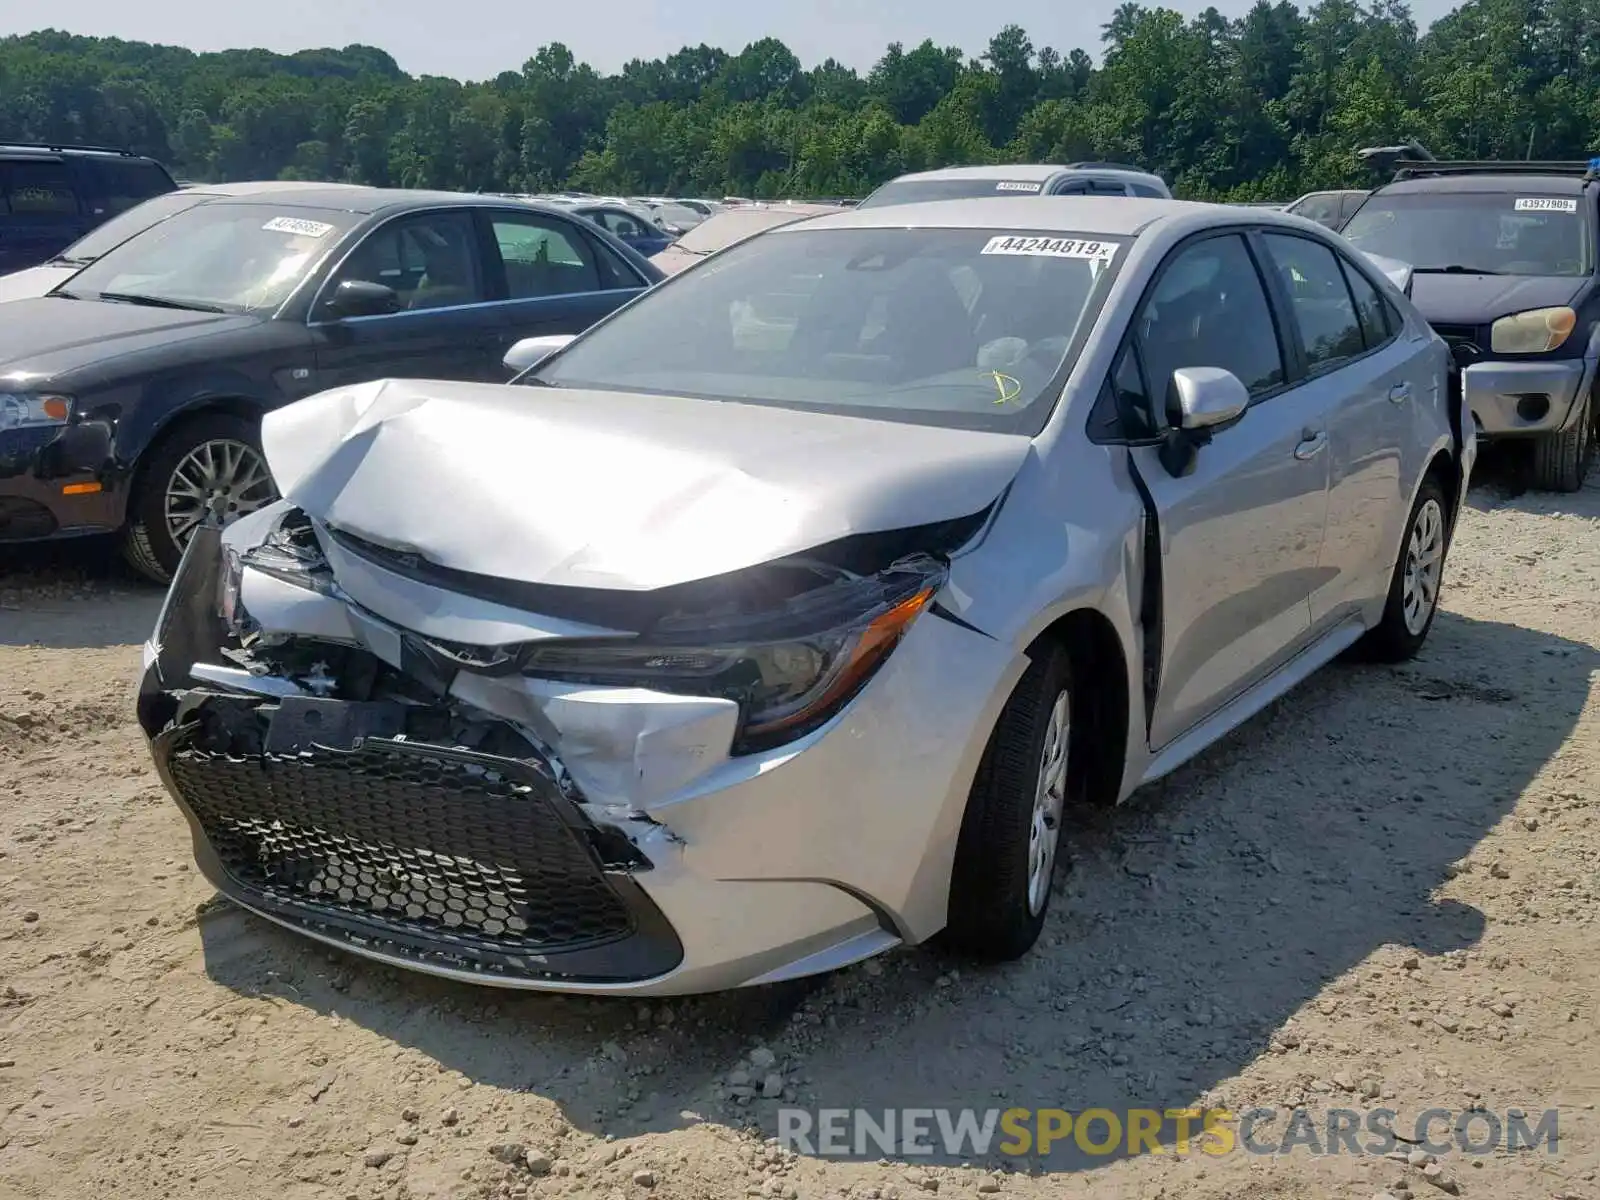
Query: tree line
(1263,107)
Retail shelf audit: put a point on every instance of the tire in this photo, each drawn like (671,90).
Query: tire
(150,544)
(997,907)
(1405,625)
(1561,460)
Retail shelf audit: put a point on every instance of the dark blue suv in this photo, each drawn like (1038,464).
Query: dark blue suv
(50,196)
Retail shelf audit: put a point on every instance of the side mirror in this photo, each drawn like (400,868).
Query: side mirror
(363,298)
(1203,398)
(530,352)
(1207,397)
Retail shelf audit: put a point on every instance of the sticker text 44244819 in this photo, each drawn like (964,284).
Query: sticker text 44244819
(1051,247)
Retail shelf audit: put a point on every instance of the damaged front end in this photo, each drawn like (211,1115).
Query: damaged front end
(458,774)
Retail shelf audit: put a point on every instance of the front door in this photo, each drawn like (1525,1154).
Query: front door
(1241,533)
(447,325)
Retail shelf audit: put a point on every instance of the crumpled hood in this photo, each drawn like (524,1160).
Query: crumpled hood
(614,490)
(1482,299)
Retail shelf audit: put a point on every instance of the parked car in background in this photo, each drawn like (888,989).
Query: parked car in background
(729,226)
(781,624)
(677,219)
(51,195)
(1331,209)
(36,281)
(627,226)
(1505,269)
(134,392)
(1073,179)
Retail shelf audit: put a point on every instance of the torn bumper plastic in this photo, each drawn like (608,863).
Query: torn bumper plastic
(523,832)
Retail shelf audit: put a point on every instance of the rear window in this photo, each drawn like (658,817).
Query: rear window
(1527,232)
(41,189)
(915,191)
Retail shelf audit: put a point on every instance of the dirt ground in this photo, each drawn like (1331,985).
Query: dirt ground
(1380,893)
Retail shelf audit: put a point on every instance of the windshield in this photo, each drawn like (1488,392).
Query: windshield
(222,257)
(137,219)
(1500,233)
(914,191)
(960,327)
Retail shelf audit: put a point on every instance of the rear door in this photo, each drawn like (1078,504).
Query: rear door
(1241,532)
(1373,378)
(554,275)
(41,213)
(448,326)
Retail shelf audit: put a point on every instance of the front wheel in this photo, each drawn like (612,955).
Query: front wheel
(1005,859)
(211,460)
(1414,586)
(1561,460)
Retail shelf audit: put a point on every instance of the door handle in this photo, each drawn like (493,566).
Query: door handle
(1400,393)
(1314,444)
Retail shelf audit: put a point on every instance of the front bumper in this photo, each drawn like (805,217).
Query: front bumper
(55,482)
(1526,399)
(635,855)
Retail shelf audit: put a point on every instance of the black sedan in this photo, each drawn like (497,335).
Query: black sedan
(131,395)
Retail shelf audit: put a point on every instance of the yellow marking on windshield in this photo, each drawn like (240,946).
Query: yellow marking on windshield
(1008,387)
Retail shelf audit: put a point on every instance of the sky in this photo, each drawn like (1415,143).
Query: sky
(477,39)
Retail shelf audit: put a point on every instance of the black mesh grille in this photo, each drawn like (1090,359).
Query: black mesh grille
(404,841)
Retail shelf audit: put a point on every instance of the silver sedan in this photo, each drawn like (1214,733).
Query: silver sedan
(785,616)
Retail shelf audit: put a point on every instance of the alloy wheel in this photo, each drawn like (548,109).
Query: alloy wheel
(223,473)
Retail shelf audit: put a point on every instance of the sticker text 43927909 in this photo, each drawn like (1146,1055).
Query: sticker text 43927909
(1051,247)
(1546,204)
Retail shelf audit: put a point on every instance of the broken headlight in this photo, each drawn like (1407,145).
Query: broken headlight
(790,670)
(289,552)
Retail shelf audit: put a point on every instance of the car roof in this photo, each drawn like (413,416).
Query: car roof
(355,198)
(17,150)
(1110,216)
(1571,185)
(261,187)
(1023,172)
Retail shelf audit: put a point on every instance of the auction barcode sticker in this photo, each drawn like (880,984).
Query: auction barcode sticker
(296,225)
(1547,204)
(1049,247)
(1017,185)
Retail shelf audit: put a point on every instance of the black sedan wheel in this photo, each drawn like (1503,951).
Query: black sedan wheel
(214,460)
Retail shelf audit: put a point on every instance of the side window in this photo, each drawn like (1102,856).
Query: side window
(1144,189)
(1371,308)
(623,225)
(430,260)
(615,275)
(119,184)
(1320,298)
(40,189)
(543,256)
(1323,209)
(1105,187)
(1209,309)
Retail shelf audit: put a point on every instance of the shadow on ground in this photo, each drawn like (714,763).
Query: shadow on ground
(1196,921)
(72,595)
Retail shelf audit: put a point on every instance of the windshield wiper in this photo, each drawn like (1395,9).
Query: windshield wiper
(160,302)
(1453,269)
(62,260)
